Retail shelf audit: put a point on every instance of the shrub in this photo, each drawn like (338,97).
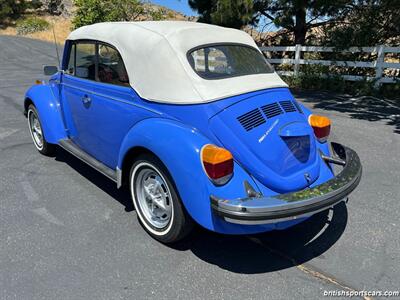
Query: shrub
(339,85)
(11,9)
(391,90)
(31,25)
(53,7)
(95,11)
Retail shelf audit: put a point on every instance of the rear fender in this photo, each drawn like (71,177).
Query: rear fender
(178,147)
(48,106)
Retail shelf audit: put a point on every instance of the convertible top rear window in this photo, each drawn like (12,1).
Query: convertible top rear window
(227,60)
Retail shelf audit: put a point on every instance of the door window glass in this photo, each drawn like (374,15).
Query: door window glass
(71,61)
(85,66)
(111,68)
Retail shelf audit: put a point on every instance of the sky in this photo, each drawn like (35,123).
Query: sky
(179,5)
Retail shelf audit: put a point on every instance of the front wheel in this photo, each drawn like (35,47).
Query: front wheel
(156,200)
(36,131)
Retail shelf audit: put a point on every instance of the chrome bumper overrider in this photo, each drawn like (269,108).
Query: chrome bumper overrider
(271,209)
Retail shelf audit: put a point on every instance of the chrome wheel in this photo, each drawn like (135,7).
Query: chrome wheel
(153,196)
(35,129)
(157,203)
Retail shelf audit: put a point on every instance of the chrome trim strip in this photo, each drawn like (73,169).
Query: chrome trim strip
(119,177)
(73,149)
(262,222)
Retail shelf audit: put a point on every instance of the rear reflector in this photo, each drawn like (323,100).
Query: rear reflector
(218,163)
(321,126)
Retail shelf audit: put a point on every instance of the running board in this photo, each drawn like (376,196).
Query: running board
(71,147)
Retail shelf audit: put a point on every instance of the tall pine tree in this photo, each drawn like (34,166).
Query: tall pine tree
(297,17)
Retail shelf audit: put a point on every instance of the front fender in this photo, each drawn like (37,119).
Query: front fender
(178,147)
(48,106)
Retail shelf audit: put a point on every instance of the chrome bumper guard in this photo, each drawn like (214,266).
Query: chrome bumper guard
(294,205)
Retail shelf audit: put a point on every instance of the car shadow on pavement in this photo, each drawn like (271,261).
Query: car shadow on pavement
(249,254)
(107,185)
(270,251)
(358,107)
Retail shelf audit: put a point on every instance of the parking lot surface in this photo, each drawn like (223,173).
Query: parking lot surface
(67,233)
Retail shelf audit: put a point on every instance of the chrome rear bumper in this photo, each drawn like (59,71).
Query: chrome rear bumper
(294,205)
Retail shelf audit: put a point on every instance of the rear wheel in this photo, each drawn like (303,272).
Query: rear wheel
(156,200)
(36,131)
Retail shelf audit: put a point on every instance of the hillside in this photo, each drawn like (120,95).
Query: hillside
(62,24)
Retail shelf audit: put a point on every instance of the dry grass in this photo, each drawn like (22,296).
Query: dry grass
(62,28)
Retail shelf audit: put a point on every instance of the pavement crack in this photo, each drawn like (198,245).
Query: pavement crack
(307,268)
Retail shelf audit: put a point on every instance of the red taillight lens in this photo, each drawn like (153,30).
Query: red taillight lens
(321,126)
(218,163)
(219,170)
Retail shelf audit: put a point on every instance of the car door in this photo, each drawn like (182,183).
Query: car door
(76,90)
(104,108)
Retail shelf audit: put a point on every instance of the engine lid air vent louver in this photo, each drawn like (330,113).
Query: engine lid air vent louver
(272,110)
(255,118)
(287,106)
(251,119)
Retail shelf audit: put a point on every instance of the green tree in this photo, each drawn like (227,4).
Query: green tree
(95,11)
(370,23)
(301,16)
(297,17)
(231,13)
(12,9)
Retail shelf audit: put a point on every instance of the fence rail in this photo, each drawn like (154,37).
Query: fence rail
(379,64)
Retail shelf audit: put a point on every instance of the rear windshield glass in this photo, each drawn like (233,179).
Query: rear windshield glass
(224,61)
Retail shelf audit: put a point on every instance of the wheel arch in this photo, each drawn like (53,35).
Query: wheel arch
(178,147)
(27,101)
(47,105)
(129,158)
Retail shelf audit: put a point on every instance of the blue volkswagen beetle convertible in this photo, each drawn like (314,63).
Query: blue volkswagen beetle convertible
(194,120)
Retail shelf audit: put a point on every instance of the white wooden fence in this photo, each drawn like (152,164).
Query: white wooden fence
(379,64)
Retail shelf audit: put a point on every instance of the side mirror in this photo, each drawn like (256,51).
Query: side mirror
(50,70)
(82,72)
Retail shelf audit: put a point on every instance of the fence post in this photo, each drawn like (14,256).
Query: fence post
(379,65)
(297,59)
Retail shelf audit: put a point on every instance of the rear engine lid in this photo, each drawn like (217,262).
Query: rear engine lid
(269,135)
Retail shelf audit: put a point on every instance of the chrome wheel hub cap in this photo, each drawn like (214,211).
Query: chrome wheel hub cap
(154,197)
(36,129)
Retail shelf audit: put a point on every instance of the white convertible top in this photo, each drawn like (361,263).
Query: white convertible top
(155,57)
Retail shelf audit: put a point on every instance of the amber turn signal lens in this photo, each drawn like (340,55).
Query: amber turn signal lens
(321,126)
(218,163)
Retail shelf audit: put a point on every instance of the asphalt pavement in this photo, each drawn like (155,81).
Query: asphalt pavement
(66,232)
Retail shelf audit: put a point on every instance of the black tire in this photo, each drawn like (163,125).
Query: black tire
(44,148)
(180,223)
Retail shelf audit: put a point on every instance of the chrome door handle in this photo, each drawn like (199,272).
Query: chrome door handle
(86,99)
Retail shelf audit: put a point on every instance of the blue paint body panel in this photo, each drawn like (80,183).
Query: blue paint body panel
(47,103)
(117,120)
(100,126)
(278,161)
